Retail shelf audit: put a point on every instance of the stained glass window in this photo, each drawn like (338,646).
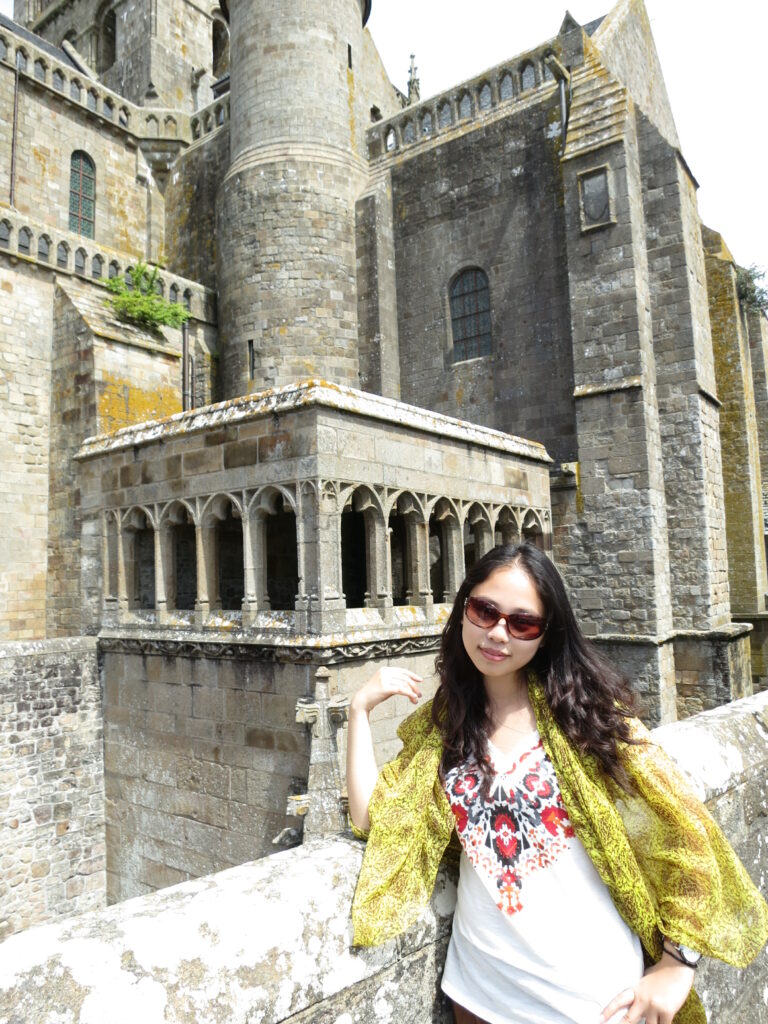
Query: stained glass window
(82,194)
(471,315)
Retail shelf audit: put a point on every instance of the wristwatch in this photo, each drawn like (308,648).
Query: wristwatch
(684,954)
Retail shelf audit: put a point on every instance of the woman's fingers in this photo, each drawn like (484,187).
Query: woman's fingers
(385,683)
(623,999)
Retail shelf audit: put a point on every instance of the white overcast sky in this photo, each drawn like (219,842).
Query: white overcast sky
(712,55)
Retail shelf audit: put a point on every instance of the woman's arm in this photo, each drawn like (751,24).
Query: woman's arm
(362,770)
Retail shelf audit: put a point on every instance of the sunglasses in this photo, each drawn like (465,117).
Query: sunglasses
(519,625)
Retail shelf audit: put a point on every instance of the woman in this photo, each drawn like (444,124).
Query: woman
(591,879)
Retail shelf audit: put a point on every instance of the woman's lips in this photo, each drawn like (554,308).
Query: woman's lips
(493,655)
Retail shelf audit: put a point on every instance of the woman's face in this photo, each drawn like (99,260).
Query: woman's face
(494,653)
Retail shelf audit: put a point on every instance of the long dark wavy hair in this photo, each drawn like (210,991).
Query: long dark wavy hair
(589,699)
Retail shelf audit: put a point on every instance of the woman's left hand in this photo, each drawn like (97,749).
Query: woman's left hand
(656,997)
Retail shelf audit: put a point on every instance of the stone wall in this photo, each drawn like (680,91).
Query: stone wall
(203,752)
(744,517)
(509,223)
(25,378)
(52,849)
(190,207)
(272,940)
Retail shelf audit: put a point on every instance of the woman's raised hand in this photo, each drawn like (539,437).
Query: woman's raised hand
(385,683)
(362,771)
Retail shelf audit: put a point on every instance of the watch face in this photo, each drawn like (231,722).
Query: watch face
(689,955)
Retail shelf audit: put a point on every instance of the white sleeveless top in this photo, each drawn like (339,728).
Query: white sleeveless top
(536,938)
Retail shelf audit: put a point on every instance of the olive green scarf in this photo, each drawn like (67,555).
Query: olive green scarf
(667,865)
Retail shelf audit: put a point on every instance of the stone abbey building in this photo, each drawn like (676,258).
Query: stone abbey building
(417,328)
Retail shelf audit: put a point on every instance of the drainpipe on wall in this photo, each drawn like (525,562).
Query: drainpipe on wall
(563,76)
(184,367)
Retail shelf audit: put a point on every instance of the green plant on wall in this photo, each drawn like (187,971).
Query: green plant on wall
(139,302)
(753,294)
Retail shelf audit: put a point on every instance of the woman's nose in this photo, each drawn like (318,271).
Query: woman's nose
(499,630)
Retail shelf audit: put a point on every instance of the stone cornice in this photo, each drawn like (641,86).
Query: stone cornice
(326,652)
(295,397)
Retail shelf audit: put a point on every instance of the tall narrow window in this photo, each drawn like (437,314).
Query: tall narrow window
(251,360)
(108,41)
(82,194)
(470,315)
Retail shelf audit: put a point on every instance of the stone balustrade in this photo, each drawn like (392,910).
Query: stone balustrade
(477,98)
(24,238)
(72,87)
(271,940)
(209,119)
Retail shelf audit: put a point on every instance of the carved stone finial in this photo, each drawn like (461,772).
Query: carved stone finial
(414,86)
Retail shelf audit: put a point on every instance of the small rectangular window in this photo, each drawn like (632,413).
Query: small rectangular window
(251,360)
(349,55)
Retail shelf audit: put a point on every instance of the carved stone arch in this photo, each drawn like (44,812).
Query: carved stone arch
(477,533)
(136,558)
(130,520)
(216,506)
(221,553)
(174,511)
(405,503)
(408,529)
(364,548)
(531,528)
(107,28)
(271,550)
(264,501)
(446,556)
(219,42)
(177,561)
(506,527)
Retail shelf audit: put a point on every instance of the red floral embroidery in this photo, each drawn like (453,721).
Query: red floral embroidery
(520,828)
(554,818)
(460,814)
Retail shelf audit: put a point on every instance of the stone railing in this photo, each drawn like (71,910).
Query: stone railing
(210,118)
(75,89)
(271,940)
(23,238)
(514,80)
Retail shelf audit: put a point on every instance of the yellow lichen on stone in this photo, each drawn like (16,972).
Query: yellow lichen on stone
(122,403)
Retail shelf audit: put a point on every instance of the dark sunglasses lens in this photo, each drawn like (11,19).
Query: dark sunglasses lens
(482,613)
(523,628)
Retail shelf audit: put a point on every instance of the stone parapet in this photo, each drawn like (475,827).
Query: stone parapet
(271,940)
(52,846)
(524,78)
(37,244)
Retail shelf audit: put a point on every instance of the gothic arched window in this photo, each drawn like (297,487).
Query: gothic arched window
(82,194)
(470,314)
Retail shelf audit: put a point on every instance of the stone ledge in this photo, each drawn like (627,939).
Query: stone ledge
(43,648)
(302,395)
(270,940)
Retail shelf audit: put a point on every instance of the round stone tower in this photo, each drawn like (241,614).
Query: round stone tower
(286,207)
